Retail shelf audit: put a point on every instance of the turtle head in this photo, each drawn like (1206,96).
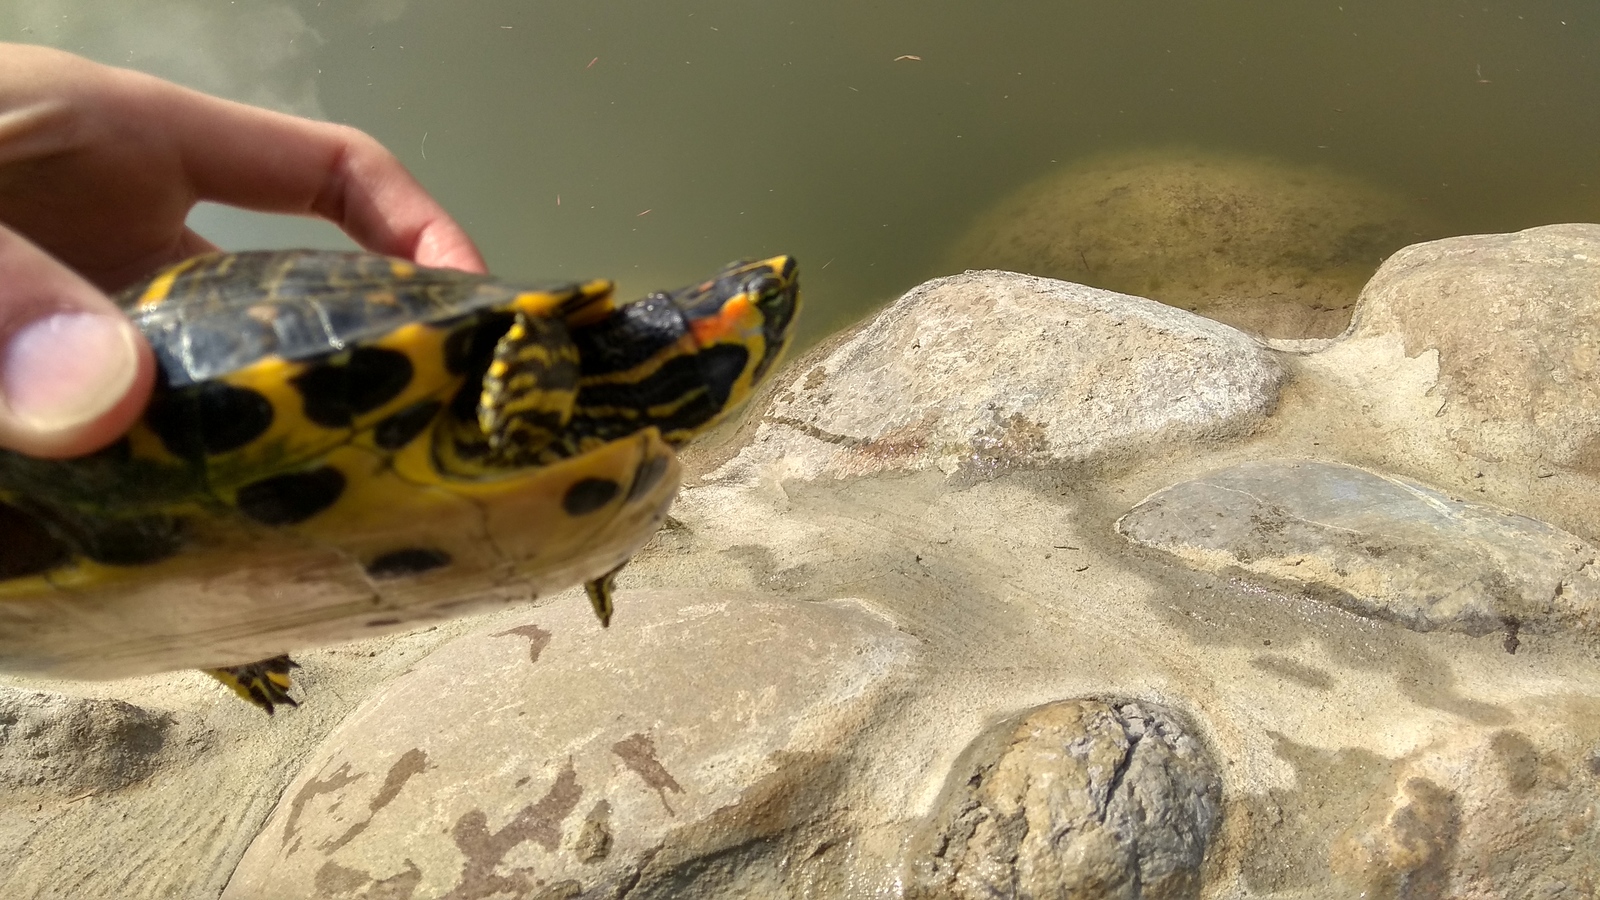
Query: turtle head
(682,360)
(740,320)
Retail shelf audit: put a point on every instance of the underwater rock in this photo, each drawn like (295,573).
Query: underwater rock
(1271,247)
(70,746)
(555,756)
(985,372)
(1515,321)
(1379,546)
(1079,798)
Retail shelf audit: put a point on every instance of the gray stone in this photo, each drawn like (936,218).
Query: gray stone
(988,371)
(553,758)
(1380,546)
(1515,321)
(1081,799)
(70,746)
(1271,247)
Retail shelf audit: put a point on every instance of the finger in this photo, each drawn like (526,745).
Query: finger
(244,156)
(114,278)
(374,199)
(190,243)
(74,372)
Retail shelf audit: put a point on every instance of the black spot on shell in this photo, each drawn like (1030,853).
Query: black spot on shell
(398,430)
(589,495)
(172,417)
(336,392)
(208,419)
(230,417)
(292,497)
(648,476)
(322,392)
(30,548)
(410,561)
(376,376)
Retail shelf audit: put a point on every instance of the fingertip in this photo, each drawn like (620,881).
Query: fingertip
(382,205)
(449,248)
(72,382)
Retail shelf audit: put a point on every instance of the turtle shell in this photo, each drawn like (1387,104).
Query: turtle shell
(344,444)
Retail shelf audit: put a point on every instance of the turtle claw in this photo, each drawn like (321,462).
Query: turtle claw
(265,684)
(599,591)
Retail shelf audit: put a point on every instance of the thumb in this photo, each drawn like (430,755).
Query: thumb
(74,372)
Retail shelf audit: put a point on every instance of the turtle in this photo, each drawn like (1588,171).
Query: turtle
(344,444)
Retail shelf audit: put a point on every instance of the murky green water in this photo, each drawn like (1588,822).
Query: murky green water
(652,141)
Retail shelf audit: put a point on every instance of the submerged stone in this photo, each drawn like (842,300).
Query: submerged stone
(1272,247)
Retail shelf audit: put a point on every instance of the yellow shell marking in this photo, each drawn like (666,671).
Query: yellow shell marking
(241,591)
(161,285)
(292,436)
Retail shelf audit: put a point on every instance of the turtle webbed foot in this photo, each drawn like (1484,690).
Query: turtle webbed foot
(265,683)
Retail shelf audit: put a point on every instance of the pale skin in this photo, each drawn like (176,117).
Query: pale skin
(98,169)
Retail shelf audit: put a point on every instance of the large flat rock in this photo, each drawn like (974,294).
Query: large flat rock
(549,755)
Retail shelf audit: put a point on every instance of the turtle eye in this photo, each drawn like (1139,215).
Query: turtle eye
(763,287)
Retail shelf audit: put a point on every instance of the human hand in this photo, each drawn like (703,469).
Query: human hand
(99,168)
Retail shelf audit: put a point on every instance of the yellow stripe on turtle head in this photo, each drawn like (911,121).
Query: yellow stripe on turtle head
(748,306)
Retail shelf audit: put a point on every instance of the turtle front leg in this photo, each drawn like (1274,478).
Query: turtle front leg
(599,591)
(265,683)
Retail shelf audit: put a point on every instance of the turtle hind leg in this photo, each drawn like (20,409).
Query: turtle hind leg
(528,391)
(265,684)
(515,402)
